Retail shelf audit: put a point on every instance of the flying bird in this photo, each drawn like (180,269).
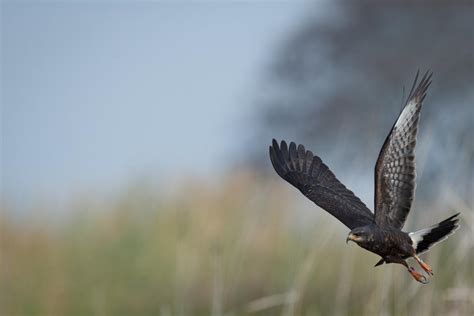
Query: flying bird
(379,232)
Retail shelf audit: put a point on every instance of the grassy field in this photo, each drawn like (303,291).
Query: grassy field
(241,248)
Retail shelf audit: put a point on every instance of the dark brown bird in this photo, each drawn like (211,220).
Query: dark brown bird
(379,232)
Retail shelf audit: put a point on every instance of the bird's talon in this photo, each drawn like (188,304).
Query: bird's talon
(424,266)
(427,268)
(417,276)
(423,280)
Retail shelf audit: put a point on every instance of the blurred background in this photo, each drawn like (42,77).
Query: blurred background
(135,177)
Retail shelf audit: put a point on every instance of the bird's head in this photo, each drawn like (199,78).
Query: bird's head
(359,234)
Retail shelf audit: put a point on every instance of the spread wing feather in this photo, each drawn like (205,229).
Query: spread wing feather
(395,167)
(314,179)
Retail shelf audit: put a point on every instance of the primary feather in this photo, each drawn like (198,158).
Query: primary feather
(313,178)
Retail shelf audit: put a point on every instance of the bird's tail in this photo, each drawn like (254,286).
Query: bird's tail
(426,238)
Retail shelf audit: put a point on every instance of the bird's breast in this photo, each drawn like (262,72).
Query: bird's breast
(386,243)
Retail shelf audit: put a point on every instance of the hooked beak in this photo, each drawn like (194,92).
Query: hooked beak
(349,237)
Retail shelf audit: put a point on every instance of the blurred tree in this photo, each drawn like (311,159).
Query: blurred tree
(336,85)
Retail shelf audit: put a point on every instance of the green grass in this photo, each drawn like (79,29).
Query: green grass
(236,249)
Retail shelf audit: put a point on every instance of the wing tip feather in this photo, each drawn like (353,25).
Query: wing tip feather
(276,158)
(419,93)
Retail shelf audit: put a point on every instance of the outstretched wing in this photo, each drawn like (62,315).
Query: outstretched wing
(314,179)
(395,167)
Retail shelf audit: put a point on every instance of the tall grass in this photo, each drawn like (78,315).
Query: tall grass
(237,249)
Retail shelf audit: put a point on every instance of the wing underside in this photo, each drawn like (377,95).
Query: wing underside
(395,167)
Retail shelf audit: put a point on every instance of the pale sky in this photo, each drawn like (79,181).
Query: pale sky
(97,93)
